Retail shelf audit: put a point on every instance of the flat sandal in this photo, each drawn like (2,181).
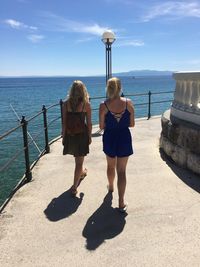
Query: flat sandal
(73,191)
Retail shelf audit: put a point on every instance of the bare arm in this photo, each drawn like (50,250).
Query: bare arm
(89,121)
(132,112)
(64,120)
(102,116)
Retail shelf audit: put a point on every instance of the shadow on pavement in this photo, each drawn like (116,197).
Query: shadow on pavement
(105,223)
(63,206)
(188,177)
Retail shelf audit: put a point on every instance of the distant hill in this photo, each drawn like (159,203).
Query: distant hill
(137,73)
(133,73)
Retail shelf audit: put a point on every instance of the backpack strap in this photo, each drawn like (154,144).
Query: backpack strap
(83,107)
(80,114)
(67,106)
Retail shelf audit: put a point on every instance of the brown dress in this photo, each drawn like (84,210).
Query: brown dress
(76,144)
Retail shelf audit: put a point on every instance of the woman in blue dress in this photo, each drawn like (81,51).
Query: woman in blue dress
(116,115)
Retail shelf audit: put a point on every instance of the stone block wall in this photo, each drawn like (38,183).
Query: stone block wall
(181,142)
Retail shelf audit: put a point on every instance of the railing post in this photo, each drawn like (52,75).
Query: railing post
(149,105)
(47,148)
(26,149)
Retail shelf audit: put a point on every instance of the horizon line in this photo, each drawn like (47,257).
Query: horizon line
(128,73)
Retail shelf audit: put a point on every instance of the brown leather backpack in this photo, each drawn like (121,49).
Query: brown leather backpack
(75,121)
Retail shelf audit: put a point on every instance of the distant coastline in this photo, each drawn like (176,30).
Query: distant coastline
(142,73)
(133,73)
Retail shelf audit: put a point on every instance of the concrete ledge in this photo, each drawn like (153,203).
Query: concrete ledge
(190,116)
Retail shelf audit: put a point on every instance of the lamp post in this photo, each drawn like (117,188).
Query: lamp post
(108,39)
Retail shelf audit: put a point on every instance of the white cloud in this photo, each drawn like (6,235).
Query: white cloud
(53,22)
(14,24)
(94,29)
(33,28)
(188,62)
(129,42)
(34,38)
(175,9)
(194,62)
(85,40)
(18,25)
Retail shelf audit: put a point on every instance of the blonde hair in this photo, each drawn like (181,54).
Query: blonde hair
(78,94)
(113,87)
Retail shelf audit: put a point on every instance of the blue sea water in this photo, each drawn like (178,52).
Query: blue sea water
(27,95)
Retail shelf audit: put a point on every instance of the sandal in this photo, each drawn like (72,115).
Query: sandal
(83,175)
(123,209)
(73,191)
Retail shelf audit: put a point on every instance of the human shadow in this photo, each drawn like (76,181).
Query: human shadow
(187,176)
(63,206)
(105,223)
(97,133)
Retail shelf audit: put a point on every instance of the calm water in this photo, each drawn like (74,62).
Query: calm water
(27,95)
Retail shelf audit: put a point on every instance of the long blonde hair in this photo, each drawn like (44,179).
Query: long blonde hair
(113,87)
(78,94)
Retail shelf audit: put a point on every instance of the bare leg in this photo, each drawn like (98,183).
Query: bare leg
(111,164)
(121,181)
(78,170)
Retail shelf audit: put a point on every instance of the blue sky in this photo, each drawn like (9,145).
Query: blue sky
(63,37)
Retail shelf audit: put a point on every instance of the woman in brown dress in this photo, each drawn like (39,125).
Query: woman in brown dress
(76,129)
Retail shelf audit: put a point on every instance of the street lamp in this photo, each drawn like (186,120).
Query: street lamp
(108,39)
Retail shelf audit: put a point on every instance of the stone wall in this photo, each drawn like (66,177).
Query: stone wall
(181,142)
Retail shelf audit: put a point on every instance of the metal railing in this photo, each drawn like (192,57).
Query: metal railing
(24,124)
(148,104)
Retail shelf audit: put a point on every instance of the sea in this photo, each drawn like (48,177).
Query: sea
(26,96)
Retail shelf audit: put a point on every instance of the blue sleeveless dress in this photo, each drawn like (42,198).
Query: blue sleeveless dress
(117,141)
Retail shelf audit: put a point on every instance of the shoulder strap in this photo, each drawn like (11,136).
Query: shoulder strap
(106,105)
(126,103)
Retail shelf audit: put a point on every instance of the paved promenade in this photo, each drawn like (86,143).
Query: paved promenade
(43,226)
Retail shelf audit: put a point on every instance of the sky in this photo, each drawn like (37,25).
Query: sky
(63,37)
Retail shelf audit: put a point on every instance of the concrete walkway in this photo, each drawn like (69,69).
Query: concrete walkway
(43,226)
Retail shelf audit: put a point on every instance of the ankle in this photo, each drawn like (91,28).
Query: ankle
(121,203)
(110,188)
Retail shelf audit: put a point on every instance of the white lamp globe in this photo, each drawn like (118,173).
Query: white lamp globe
(108,37)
